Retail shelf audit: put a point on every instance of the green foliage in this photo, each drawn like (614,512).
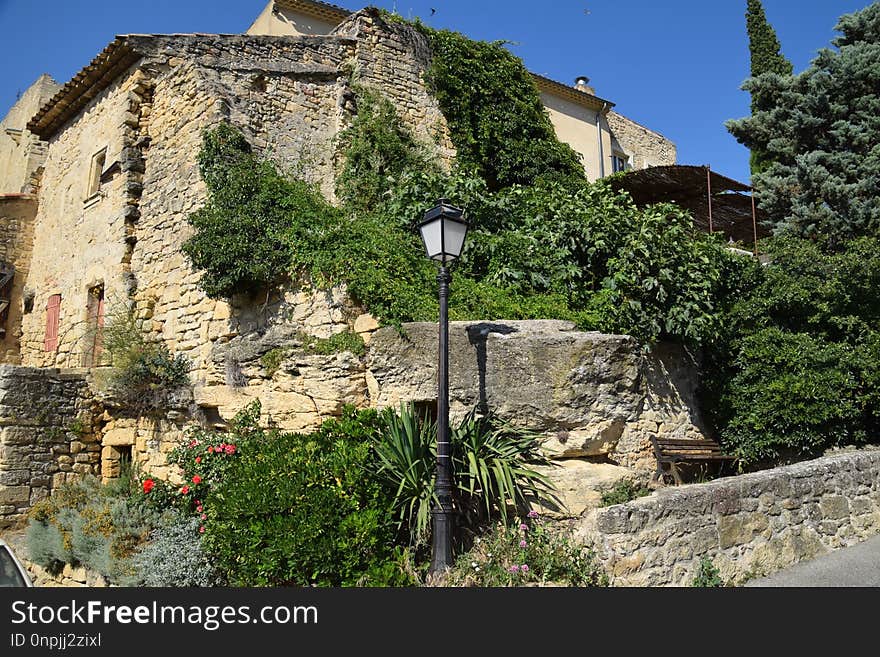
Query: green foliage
(377,151)
(335,344)
(85,523)
(496,119)
(819,131)
(145,373)
(707,575)
(242,234)
(529,552)
(174,556)
(302,509)
(796,369)
(624,491)
(493,467)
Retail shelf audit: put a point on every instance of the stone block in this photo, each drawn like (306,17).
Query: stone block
(740,529)
(14,494)
(834,507)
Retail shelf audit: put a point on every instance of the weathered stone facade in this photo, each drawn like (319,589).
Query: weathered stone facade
(592,394)
(291,96)
(22,153)
(47,435)
(17,213)
(748,525)
(643,147)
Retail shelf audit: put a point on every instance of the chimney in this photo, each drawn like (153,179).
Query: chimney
(582,83)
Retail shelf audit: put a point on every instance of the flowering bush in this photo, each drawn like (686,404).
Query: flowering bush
(531,552)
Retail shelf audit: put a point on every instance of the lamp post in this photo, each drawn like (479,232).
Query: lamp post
(443,230)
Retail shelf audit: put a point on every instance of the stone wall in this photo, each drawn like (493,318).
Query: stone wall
(17,214)
(592,394)
(21,152)
(750,525)
(47,435)
(644,147)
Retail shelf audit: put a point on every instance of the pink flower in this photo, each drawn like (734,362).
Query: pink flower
(524,527)
(192,444)
(533,514)
(229,449)
(525,567)
(522,544)
(202,529)
(199,507)
(513,569)
(184,490)
(204,516)
(197,480)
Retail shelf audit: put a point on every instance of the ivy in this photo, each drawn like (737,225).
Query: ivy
(496,119)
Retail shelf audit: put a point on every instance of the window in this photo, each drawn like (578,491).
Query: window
(619,162)
(53,312)
(97,168)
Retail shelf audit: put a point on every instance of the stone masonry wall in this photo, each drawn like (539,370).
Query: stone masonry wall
(592,394)
(644,147)
(47,435)
(750,525)
(16,242)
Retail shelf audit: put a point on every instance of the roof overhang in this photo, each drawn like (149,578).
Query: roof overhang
(571,93)
(321,10)
(85,85)
(691,187)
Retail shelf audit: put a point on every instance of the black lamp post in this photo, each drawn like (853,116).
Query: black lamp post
(443,230)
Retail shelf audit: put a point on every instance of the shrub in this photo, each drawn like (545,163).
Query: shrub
(146,373)
(795,370)
(527,553)
(175,556)
(492,466)
(85,523)
(302,509)
(624,491)
(707,575)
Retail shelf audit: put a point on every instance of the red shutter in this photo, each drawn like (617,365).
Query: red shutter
(53,311)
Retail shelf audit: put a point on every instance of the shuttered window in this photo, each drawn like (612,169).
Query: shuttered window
(53,312)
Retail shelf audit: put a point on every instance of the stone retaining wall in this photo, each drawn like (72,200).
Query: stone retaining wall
(46,435)
(750,525)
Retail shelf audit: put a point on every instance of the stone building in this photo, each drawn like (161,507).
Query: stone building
(101,212)
(607,141)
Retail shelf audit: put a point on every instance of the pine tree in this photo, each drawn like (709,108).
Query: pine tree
(821,133)
(766,57)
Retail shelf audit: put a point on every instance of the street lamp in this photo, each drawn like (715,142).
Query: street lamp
(443,230)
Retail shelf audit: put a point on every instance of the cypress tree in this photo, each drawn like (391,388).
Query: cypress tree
(766,57)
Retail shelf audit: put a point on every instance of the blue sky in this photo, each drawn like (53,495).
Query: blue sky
(673,65)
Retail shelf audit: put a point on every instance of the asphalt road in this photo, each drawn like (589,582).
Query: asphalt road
(858,565)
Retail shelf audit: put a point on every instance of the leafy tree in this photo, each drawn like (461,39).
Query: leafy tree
(821,129)
(765,55)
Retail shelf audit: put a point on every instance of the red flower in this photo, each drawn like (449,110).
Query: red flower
(198,459)
(192,444)
(197,480)
(198,507)
(230,449)
(148,485)
(184,490)
(202,529)
(210,449)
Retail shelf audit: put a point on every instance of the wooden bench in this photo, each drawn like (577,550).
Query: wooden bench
(672,451)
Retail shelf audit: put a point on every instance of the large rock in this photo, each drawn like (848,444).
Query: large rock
(592,394)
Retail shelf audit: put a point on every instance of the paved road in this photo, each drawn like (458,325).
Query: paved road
(858,565)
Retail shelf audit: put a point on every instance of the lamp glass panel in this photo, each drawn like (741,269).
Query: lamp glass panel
(432,238)
(454,239)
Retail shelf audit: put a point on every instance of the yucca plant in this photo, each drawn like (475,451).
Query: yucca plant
(492,462)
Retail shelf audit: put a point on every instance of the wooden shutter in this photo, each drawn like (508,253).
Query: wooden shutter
(53,312)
